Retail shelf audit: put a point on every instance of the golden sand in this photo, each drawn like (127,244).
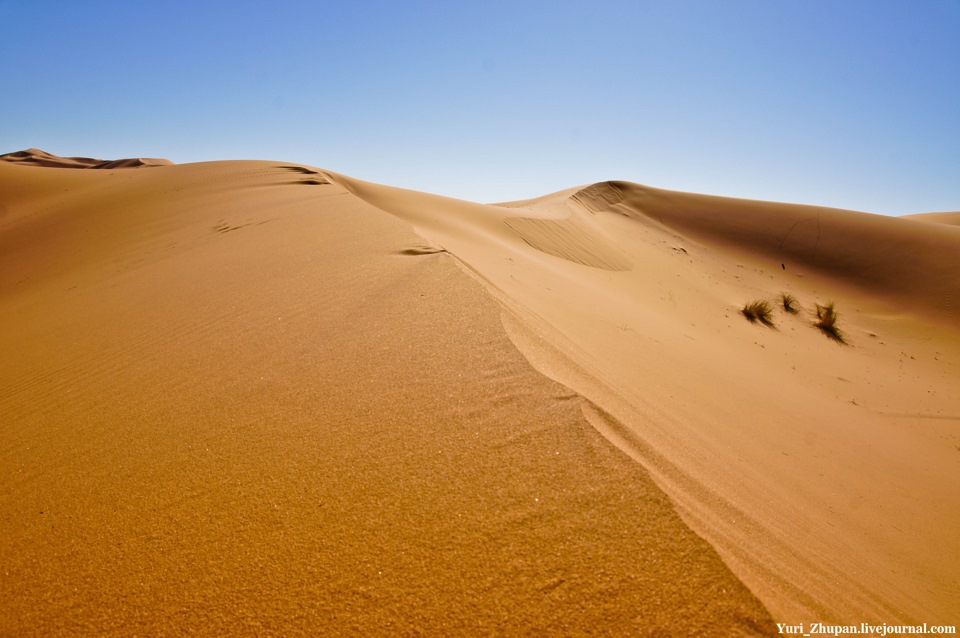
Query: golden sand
(259,398)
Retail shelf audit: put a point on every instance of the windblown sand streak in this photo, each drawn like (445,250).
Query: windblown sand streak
(569,239)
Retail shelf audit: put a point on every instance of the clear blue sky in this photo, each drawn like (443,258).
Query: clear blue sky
(847,103)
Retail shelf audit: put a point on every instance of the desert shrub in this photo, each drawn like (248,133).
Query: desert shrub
(827,322)
(789,303)
(758,311)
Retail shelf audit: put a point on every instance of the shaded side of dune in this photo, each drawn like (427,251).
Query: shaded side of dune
(251,407)
(912,265)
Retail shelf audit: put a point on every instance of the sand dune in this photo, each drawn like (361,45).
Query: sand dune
(36,157)
(824,474)
(952,219)
(253,397)
(238,400)
(904,263)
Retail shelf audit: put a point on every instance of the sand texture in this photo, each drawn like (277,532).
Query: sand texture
(258,398)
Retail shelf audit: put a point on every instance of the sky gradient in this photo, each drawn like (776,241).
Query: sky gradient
(852,104)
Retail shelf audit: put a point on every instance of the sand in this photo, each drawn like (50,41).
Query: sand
(36,157)
(938,218)
(253,397)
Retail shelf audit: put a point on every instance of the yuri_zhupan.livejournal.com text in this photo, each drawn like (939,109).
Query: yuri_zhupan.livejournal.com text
(865,629)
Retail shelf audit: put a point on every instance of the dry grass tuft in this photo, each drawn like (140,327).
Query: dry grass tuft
(827,322)
(758,311)
(789,303)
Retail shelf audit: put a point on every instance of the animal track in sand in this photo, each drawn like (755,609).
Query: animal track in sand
(226,228)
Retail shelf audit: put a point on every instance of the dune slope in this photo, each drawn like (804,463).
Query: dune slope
(238,399)
(952,219)
(822,469)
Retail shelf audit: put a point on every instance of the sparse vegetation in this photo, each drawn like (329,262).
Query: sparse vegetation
(758,311)
(789,303)
(827,322)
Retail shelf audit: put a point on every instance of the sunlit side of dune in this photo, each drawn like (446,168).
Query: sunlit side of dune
(953,219)
(239,400)
(269,398)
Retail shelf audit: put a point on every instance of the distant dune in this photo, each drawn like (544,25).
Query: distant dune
(36,157)
(952,219)
(250,397)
